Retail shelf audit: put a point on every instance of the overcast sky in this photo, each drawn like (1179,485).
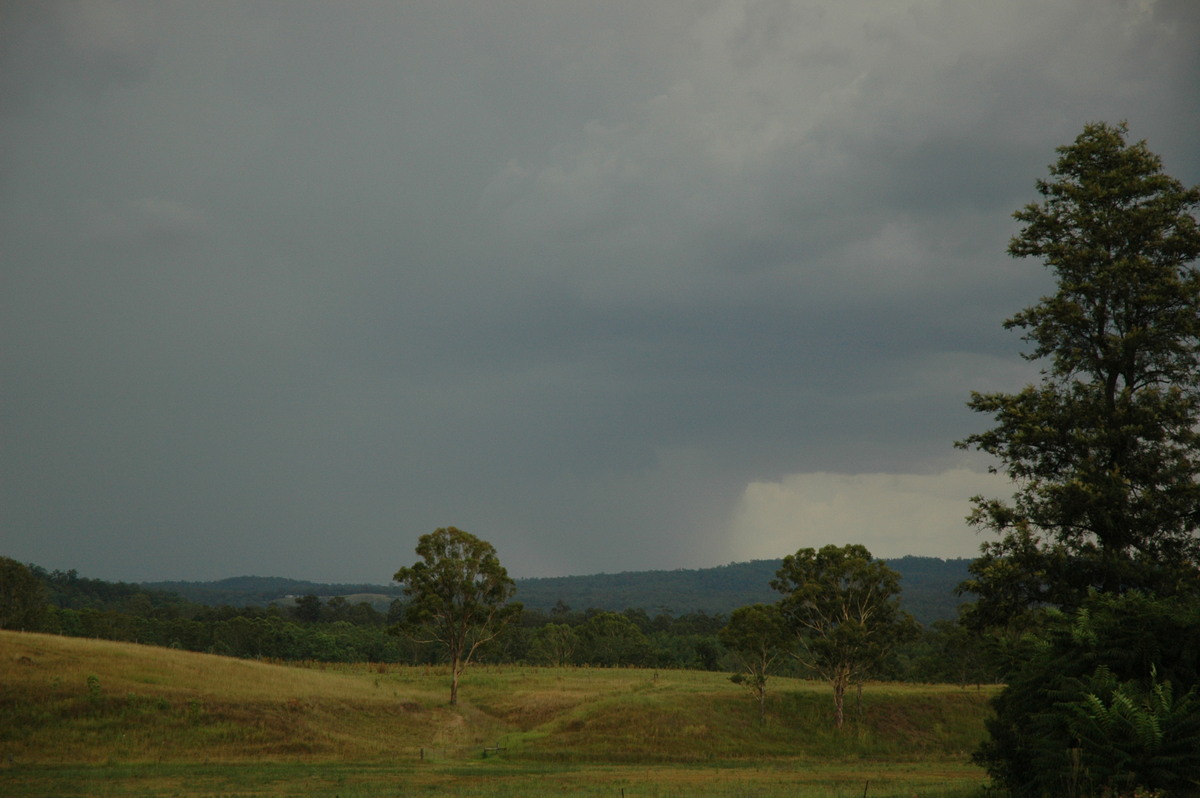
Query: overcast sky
(614,285)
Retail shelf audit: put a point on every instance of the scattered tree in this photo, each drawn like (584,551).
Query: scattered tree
(844,609)
(1104,451)
(757,636)
(460,597)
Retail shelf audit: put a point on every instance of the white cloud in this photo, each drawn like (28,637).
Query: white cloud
(891,514)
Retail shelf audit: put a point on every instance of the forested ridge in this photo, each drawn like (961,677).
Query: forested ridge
(928,585)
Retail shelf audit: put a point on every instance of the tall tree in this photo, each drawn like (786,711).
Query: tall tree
(844,609)
(1104,451)
(757,636)
(460,597)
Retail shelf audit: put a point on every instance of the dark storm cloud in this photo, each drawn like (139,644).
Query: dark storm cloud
(612,285)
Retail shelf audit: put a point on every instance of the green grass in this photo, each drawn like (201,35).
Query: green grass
(502,780)
(84,717)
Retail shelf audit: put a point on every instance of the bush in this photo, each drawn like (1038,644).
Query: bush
(1109,705)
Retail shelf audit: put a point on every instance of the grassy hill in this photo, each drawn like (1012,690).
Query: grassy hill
(73,710)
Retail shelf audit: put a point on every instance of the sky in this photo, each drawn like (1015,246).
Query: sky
(612,285)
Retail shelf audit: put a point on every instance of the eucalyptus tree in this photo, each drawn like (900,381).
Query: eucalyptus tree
(1103,452)
(843,608)
(758,636)
(460,597)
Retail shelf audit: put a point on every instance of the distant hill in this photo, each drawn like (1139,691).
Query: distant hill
(243,591)
(928,585)
(713,590)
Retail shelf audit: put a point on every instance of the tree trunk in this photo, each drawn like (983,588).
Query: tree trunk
(455,670)
(841,681)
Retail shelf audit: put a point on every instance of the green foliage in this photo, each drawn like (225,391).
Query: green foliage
(1104,450)
(22,598)
(69,590)
(1090,592)
(460,596)
(1134,736)
(611,638)
(1107,703)
(307,609)
(758,636)
(843,608)
(554,644)
(951,652)
(346,629)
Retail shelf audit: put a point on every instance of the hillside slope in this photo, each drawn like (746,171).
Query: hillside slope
(70,700)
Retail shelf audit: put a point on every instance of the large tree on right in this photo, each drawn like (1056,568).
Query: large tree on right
(1105,451)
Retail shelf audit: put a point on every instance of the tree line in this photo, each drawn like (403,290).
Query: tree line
(331,629)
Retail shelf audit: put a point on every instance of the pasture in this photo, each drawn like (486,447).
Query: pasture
(87,717)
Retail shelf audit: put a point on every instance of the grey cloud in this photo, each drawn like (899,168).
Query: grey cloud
(81,49)
(289,284)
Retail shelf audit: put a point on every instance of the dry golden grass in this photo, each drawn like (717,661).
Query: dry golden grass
(71,700)
(70,703)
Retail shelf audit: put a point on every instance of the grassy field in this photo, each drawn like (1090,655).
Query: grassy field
(86,717)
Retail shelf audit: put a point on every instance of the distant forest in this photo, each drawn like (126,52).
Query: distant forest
(928,585)
(659,619)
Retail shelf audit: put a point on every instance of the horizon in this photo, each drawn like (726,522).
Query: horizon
(355,583)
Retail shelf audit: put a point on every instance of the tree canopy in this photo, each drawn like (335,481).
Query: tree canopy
(843,607)
(1096,563)
(757,636)
(459,596)
(1103,452)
